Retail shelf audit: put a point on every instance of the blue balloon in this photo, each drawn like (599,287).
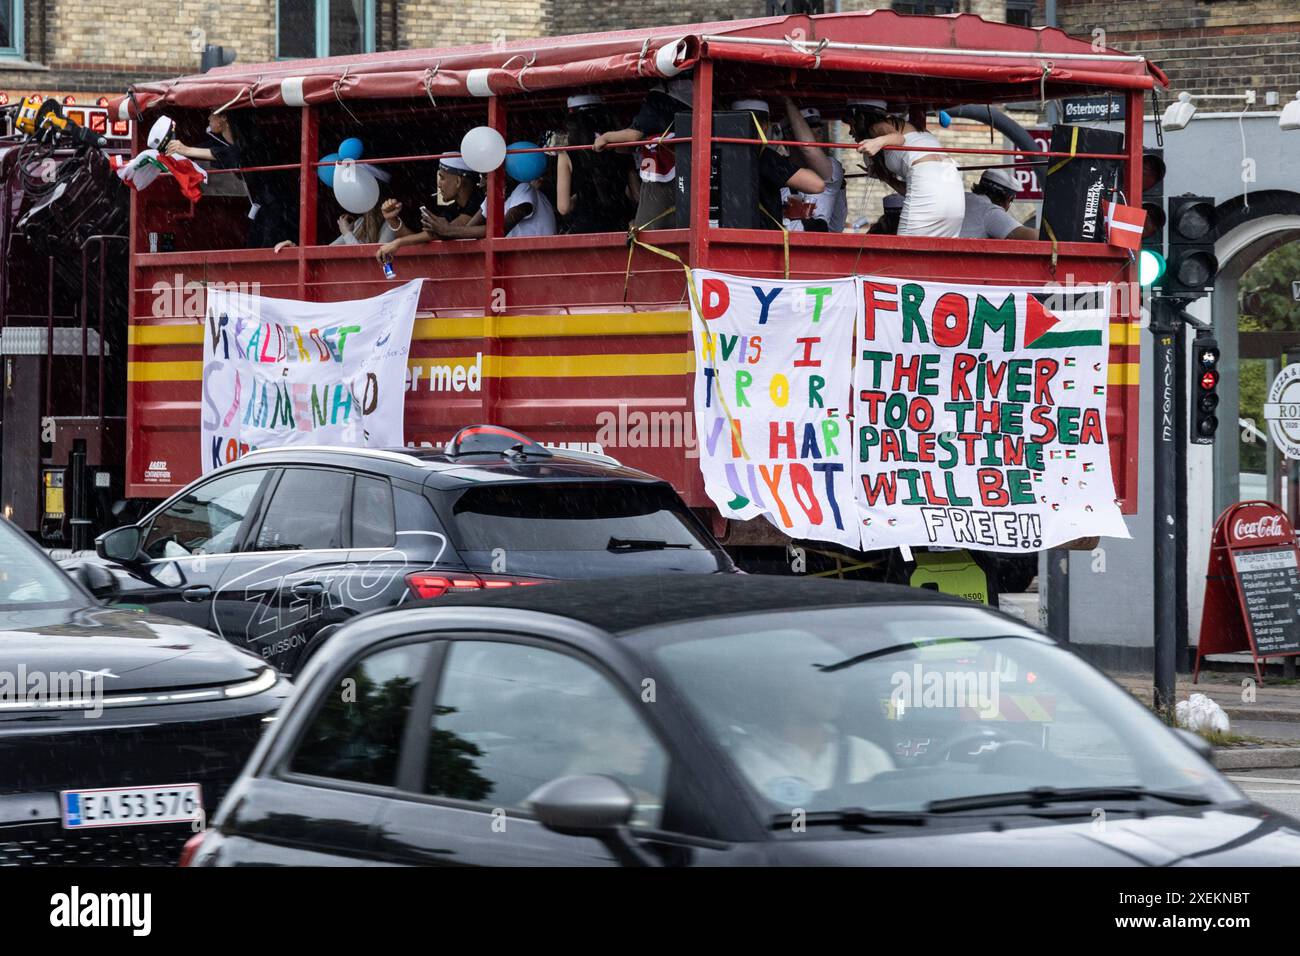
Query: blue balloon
(525,167)
(944,119)
(326,173)
(350,148)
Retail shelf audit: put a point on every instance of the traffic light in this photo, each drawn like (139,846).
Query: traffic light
(1151,258)
(1192,229)
(1205,389)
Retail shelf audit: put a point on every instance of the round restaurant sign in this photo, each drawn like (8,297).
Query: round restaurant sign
(1282,411)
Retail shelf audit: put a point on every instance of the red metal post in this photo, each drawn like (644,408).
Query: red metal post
(493,303)
(701,165)
(103,251)
(307,191)
(85,302)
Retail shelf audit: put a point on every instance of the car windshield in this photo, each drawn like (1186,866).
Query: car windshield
(26,578)
(572,529)
(903,707)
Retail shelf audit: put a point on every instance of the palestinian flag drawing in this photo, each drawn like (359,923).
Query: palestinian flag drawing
(1057,320)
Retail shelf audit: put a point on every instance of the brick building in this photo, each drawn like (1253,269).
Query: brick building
(82,46)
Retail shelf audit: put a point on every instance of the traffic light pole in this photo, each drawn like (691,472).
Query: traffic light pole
(1170,455)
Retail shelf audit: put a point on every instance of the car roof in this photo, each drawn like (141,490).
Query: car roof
(620,605)
(434,467)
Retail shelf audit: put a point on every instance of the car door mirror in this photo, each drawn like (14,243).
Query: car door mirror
(591,805)
(120,544)
(1196,742)
(583,805)
(96,579)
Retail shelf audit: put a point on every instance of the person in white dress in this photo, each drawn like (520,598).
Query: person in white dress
(934,195)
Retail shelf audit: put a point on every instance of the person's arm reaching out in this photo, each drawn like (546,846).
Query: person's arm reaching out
(176,148)
(806,181)
(564,185)
(816,159)
(617,138)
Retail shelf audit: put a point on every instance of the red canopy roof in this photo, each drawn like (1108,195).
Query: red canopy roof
(957,47)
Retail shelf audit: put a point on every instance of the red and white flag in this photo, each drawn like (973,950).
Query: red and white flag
(1124,225)
(141,171)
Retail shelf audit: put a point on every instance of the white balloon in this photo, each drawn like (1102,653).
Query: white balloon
(483,149)
(355,188)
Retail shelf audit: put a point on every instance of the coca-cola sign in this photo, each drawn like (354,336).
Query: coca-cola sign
(1259,524)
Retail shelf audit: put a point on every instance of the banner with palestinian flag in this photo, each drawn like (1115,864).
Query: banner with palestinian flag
(141,171)
(979,415)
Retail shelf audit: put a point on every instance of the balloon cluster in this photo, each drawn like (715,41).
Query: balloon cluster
(484,149)
(356,187)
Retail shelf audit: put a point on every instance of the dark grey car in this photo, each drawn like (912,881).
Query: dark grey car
(276,550)
(735,720)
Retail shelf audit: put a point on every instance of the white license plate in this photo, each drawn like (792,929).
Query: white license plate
(131,806)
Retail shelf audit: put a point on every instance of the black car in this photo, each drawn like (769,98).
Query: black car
(277,549)
(734,720)
(119,731)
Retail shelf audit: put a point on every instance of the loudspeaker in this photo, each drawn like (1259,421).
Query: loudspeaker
(1075,188)
(733,165)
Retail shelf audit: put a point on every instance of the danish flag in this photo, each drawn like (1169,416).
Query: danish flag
(1124,225)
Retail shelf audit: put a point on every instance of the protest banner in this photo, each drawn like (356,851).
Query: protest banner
(284,372)
(772,384)
(980,416)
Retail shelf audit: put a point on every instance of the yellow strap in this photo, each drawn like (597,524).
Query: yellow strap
(1074,148)
(785,237)
(1051,234)
(632,233)
(704,330)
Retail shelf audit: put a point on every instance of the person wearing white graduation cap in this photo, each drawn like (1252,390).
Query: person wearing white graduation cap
(988,207)
(778,172)
(934,201)
(828,210)
(456,202)
(657,163)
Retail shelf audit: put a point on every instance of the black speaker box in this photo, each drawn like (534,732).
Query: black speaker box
(1075,188)
(733,176)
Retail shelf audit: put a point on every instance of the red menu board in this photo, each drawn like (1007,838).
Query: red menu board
(1252,587)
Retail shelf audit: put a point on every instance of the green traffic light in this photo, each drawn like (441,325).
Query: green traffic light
(1151,266)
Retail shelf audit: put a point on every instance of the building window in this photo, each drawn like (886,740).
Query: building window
(925,7)
(311,28)
(11,27)
(1020,12)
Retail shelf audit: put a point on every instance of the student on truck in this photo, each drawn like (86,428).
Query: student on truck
(594,192)
(934,196)
(828,210)
(657,164)
(987,205)
(528,213)
(231,142)
(777,172)
(456,201)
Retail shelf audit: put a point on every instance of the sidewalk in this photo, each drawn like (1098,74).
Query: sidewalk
(1274,702)
(1270,723)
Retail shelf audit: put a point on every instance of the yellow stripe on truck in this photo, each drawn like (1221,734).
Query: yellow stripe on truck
(496,366)
(475,327)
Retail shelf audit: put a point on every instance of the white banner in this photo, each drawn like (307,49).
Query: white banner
(980,416)
(284,372)
(772,383)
